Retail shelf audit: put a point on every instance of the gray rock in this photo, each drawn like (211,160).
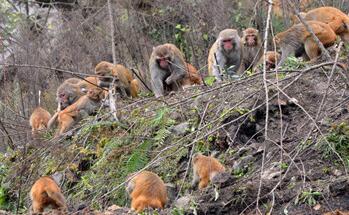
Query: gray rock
(180,129)
(183,202)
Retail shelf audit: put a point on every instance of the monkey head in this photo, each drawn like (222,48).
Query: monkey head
(163,56)
(63,99)
(228,39)
(250,37)
(104,70)
(344,29)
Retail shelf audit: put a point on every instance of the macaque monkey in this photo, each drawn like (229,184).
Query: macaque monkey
(126,84)
(252,48)
(67,93)
(84,106)
(225,54)
(167,69)
(45,192)
(192,78)
(204,169)
(271,59)
(147,189)
(335,18)
(297,36)
(39,119)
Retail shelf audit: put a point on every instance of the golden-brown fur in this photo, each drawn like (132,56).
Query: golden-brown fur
(84,106)
(39,119)
(126,84)
(298,37)
(147,190)
(204,169)
(337,20)
(45,192)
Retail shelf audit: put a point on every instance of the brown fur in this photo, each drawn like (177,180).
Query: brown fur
(88,83)
(45,192)
(337,212)
(85,105)
(192,78)
(126,84)
(338,21)
(297,36)
(204,169)
(39,119)
(271,59)
(147,190)
(252,51)
(67,93)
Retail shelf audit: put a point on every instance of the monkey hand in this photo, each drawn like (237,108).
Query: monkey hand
(169,80)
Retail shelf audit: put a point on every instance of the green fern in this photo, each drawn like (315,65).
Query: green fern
(139,158)
(162,122)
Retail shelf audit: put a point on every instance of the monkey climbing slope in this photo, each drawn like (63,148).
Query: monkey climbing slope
(295,162)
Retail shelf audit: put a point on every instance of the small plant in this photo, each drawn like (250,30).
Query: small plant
(240,172)
(337,143)
(209,80)
(177,211)
(181,42)
(293,63)
(283,166)
(308,197)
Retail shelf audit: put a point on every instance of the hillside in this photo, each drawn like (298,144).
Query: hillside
(282,135)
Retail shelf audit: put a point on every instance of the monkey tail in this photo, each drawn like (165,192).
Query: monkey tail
(57,197)
(52,120)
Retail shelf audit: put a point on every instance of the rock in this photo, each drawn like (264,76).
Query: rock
(339,187)
(222,179)
(243,162)
(183,202)
(180,129)
(273,172)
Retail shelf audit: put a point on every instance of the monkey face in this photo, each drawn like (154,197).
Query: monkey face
(63,100)
(270,65)
(251,40)
(163,62)
(228,44)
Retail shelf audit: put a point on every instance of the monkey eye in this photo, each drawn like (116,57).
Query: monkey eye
(227,41)
(61,95)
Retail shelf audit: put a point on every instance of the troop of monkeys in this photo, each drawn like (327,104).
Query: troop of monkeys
(146,188)
(228,56)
